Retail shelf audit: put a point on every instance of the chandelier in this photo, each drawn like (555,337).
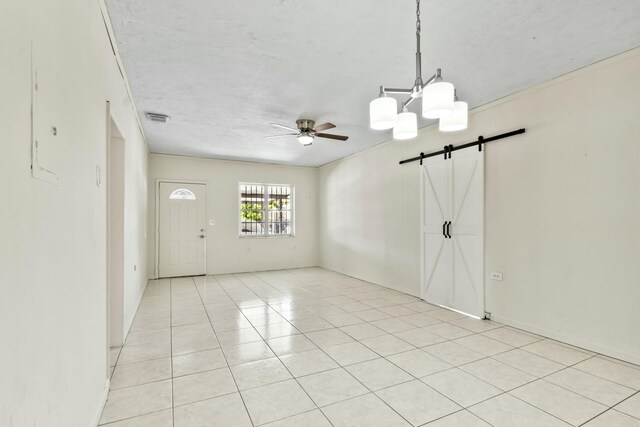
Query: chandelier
(439,101)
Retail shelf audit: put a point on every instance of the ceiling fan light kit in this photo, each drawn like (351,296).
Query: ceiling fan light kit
(305,138)
(438,102)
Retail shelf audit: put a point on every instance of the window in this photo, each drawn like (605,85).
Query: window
(182,194)
(266,210)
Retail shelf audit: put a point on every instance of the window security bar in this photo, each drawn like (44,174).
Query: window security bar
(266,210)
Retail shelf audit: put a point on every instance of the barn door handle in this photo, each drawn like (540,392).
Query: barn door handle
(444,227)
(448,232)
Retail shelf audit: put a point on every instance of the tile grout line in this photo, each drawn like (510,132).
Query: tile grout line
(541,379)
(472,333)
(606,410)
(612,408)
(285,366)
(263,295)
(339,366)
(414,378)
(456,412)
(221,349)
(542,338)
(123,388)
(565,367)
(420,378)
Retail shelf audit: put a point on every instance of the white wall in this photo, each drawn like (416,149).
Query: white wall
(369,218)
(115,219)
(562,208)
(226,251)
(136,215)
(53,322)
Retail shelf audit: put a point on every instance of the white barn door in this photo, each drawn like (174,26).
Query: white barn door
(436,254)
(453,231)
(182,231)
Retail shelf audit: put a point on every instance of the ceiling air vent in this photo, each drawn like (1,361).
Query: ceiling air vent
(157,117)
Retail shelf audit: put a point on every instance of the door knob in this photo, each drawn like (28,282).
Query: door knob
(202,236)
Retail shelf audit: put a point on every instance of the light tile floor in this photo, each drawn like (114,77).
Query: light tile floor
(310,347)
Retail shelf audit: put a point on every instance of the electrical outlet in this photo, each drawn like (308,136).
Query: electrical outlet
(495,275)
(212,222)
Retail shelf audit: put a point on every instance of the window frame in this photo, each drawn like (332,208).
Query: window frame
(265,211)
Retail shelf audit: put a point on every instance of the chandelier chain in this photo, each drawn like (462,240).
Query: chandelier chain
(418,17)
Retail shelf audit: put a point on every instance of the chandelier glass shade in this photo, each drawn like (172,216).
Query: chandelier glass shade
(407,125)
(437,100)
(457,120)
(383,113)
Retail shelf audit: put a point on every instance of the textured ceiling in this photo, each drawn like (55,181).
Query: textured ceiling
(222,70)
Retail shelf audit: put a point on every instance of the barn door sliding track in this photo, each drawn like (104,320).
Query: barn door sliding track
(448,149)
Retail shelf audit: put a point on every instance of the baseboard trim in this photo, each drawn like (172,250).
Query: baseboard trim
(103,401)
(365,279)
(585,344)
(128,323)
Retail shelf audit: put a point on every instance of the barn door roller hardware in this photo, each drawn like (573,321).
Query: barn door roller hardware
(448,149)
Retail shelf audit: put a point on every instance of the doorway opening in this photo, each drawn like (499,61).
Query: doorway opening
(115,236)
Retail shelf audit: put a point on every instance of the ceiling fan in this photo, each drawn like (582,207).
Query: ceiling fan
(307,131)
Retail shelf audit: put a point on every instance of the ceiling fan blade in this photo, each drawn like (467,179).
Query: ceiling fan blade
(280,136)
(284,127)
(324,126)
(330,136)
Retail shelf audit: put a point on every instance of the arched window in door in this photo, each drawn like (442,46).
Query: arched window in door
(182,194)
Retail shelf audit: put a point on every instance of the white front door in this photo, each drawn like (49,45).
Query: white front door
(453,231)
(182,230)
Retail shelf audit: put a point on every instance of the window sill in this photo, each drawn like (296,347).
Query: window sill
(271,236)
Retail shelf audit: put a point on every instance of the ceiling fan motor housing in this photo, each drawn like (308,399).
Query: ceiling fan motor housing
(305,124)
